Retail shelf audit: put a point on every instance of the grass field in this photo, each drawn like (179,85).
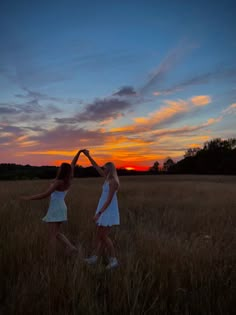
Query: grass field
(176,245)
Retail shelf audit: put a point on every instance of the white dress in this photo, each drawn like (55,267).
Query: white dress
(57,211)
(111,215)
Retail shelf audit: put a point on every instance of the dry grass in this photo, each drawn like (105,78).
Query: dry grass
(176,245)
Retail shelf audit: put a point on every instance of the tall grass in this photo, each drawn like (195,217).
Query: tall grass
(176,245)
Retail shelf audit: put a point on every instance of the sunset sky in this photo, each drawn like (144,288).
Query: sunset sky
(133,81)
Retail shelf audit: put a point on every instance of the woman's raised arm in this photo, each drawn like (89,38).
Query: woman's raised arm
(95,165)
(74,161)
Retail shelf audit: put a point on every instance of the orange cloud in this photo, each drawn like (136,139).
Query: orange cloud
(194,145)
(164,113)
(123,129)
(212,121)
(201,100)
(137,144)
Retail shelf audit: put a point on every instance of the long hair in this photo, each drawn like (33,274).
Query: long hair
(65,173)
(112,173)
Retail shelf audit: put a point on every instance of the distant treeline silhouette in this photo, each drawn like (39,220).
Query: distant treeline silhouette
(216,157)
(15,171)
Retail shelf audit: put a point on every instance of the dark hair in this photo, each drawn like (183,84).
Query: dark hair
(64,172)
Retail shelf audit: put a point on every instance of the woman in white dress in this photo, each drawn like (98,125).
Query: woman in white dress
(107,213)
(57,211)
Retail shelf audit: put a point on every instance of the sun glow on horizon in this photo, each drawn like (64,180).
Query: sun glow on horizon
(134,168)
(129,168)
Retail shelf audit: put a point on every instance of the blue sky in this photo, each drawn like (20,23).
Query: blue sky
(134,81)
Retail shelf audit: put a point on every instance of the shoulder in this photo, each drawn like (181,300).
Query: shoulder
(113,184)
(57,183)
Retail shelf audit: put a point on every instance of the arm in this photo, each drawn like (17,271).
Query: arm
(74,161)
(112,189)
(43,195)
(94,164)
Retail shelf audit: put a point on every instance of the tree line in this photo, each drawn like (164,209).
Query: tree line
(215,157)
(15,171)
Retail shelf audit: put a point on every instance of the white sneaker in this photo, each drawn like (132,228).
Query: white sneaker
(113,263)
(91,260)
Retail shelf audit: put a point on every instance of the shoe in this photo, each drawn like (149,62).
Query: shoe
(91,260)
(113,263)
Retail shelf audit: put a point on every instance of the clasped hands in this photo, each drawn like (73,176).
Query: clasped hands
(85,151)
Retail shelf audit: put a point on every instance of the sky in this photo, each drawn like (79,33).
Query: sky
(132,81)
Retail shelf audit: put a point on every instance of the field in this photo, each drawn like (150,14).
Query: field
(176,246)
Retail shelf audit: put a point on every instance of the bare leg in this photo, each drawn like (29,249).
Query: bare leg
(54,235)
(54,228)
(107,241)
(64,240)
(99,248)
(104,242)
(110,246)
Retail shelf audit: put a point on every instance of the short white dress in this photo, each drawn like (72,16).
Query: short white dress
(111,215)
(57,211)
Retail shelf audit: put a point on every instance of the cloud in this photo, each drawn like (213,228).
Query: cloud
(185,129)
(126,91)
(201,100)
(18,139)
(11,129)
(63,137)
(230,109)
(99,110)
(62,141)
(38,96)
(167,65)
(6,109)
(217,75)
(34,128)
(164,114)
(28,111)
(168,113)
(8,134)
(34,95)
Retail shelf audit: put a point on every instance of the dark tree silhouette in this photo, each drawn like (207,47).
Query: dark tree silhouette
(155,167)
(220,145)
(168,164)
(216,157)
(192,152)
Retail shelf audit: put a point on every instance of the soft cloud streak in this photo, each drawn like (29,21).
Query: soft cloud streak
(99,110)
(164,114)
(215,75)
(171,111)
(28,111)
(167,65)
(126,91)
(230,109)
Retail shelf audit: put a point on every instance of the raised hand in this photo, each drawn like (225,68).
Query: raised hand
(86,152)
